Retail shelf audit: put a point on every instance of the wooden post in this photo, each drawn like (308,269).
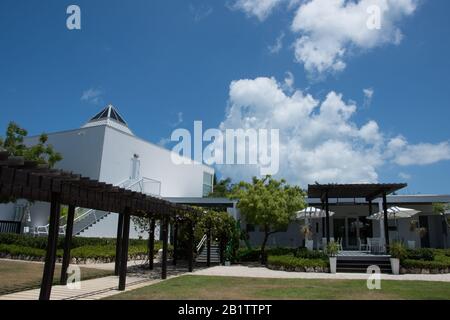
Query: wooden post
(386,222)
(124,253)
(50,256)
(191,247)
(151,243)
(67,245)
(175,242)
(208,247)
(165,235)
(118,243)
(327,218)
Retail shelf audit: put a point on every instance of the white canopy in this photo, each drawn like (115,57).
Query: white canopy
(395,213)
(312,213)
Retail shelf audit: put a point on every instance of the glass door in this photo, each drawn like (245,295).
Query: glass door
(339,230)
(353,228)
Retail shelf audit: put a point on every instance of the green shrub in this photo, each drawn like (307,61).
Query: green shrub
(421,264)
(397,250)
(424,254)
(41,242)
(16,250)
(291,262)
(247,255)
(306,254)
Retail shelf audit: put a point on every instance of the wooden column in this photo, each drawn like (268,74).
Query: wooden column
(67,245)
(124,253)
(50,256)
(175,242)
(151,243)
(208,247)
(327,217)
(386,222)
(191,247)
(118,243)
(165,239)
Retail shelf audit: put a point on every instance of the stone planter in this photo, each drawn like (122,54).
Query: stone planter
(227,263)
(333,263)
(395,265)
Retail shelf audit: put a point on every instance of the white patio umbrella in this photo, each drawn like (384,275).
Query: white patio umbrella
(312,213)
(395,213)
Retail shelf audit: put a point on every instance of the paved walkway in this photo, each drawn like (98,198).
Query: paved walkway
(90,289)
(260,272)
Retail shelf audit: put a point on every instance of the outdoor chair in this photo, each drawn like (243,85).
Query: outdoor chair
(363,246)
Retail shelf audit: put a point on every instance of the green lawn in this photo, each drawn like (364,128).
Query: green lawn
(18,275)
(209,287)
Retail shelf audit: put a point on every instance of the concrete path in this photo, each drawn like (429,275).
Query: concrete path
(261,272)
(89,290)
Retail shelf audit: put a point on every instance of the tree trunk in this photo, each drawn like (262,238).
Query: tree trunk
(263,247)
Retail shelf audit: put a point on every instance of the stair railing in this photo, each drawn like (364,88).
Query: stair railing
(201,243)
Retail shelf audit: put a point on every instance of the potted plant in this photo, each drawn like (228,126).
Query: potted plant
(398,252)
(332,250)
(228,256)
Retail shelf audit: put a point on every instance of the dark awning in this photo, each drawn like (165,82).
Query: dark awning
(367,191)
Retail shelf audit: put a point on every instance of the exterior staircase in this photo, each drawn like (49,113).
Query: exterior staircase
(85,219)
(360,264)
(215,254)
(202,250)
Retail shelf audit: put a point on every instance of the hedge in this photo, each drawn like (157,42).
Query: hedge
(41,242)
(252,255)
(291,262)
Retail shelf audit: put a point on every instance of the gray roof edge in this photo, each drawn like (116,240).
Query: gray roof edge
(419,198)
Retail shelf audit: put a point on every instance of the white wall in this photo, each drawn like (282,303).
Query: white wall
(155,163)
(81,149)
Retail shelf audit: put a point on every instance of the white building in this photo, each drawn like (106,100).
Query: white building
(106,149)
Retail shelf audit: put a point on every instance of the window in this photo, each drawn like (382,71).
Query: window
(207,183)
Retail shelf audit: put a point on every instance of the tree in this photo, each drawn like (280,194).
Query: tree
(270,204)
(42,152)
(221,189)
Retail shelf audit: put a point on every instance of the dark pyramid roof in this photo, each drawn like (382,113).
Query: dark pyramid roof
(109,112)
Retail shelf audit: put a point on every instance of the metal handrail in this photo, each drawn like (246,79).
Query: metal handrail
(201,243)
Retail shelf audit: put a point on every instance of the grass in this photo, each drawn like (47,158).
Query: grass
(225,288)
(17,275)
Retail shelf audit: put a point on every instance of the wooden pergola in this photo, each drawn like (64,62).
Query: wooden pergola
(29,180)
(351,191)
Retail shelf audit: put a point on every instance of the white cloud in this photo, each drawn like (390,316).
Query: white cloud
(330,29)
(179,119)
(200,12)
(421,154)
(404,176)
(278,45)
(93,96)
(319,141)
(368,95)
(258,8)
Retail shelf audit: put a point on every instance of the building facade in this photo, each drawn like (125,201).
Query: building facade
(106,149)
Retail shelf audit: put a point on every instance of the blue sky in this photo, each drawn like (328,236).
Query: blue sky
(160,62)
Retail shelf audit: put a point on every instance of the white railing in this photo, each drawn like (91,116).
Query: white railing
(201,243)
(91,216)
